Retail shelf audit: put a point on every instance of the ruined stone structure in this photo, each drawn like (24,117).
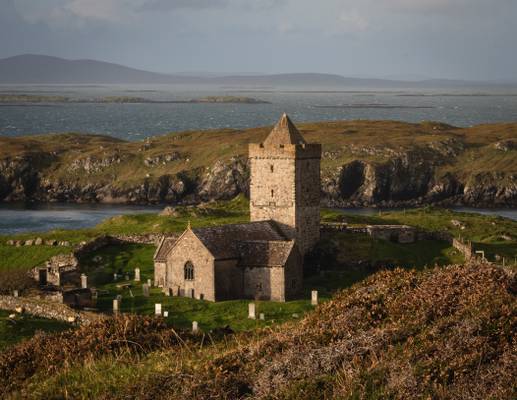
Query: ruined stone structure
(262,259)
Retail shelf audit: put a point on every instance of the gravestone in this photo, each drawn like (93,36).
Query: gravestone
(150,283)
(165,314)
(157,309)
(115,276)
(84,281)
(137,274)
(145,290)
(194,327)
(314,298)
(116,305)
(262,317)
(15,293)
(127,276)
(251,311)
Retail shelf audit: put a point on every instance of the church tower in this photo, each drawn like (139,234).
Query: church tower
(285,183)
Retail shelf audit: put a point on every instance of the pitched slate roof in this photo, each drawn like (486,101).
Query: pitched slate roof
(223,240)
(164,247)
(284,132)
(261,253)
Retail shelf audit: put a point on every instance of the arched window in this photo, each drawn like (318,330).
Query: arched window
(189,271)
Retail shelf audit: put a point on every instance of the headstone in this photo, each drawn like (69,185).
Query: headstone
(127,276)
(194,327)
(150,283)
(137,274)
(165,314)
(262,317)
(115,276)
(145,290)
(15,293)
(314,298)
(251,311)
(157,309)
(84,281)
(116,305)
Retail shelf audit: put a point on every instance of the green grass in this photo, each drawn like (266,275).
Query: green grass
(12,257)
(24,326)
(182,311)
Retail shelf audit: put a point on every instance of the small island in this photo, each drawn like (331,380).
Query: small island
(18,99)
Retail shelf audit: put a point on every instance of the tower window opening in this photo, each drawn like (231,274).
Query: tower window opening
(272,168)
(272,193)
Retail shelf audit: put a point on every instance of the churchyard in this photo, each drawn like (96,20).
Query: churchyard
(340,260)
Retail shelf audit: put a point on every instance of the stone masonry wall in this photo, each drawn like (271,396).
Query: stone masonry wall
(47,309)
(465,247)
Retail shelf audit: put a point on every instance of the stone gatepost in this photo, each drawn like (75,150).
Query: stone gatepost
(84,281)
(195,327)
(145,290)
(251,311)
(314,298)
(157,309)
(137,274)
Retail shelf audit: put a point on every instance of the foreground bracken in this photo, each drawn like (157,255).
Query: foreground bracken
(444,333)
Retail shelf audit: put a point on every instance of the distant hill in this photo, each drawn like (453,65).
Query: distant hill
(42,69)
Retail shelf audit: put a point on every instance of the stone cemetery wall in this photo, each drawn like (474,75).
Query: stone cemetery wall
(51,310)
(465,247)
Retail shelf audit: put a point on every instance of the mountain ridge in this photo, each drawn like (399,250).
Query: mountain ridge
(44,69)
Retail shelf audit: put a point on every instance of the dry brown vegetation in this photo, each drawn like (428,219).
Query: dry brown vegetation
(444,333)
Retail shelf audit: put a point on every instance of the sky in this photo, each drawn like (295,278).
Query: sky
(409,39)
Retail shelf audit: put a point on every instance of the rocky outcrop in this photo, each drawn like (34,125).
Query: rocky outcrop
(369,175)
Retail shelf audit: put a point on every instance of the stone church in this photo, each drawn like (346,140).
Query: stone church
(262,259)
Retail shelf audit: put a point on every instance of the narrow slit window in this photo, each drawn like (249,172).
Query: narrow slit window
(272,168)
(272,193)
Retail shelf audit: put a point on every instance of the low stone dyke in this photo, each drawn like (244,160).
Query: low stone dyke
(48,309)
(465,247)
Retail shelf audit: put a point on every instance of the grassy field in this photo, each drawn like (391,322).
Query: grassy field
(22,327)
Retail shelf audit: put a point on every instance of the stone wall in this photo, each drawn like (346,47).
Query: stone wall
(465,247)
(48,309)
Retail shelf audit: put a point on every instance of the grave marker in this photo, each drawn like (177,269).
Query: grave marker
(165,314)
(84,281)
(116,305)
(145,290)
(15,293)
(137,274)
(194,327)
(262,317)
(157,309)
(314,298)
(251,311)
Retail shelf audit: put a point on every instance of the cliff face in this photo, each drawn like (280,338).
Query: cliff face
(443,167)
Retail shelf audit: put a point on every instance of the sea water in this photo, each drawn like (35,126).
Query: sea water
(463,108)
